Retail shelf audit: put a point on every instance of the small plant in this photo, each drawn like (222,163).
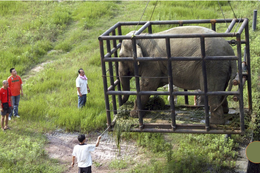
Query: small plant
(118,164)
(155,103)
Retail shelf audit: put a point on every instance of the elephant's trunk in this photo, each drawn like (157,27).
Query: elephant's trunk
(125,81)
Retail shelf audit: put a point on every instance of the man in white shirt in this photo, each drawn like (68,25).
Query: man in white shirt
(82,153)
(82,88)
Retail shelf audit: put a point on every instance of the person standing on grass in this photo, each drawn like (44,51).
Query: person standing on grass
(82,88)
(15,83)
(5,104)
(82,153)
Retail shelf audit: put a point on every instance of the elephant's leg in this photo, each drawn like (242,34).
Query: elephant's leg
(146,84)
(225,106)
(144,100)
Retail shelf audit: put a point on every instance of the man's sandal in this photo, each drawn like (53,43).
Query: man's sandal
(7,128)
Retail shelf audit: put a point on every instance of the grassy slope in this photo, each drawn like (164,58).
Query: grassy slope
(30,29)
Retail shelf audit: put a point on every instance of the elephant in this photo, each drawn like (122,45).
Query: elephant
(185,74)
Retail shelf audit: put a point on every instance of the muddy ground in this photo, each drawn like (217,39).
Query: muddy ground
(61,145)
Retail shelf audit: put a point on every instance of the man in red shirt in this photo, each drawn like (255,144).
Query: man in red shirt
(15,84)
(5,104)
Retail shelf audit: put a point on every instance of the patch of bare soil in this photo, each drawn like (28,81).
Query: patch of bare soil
(35,70)
(61,145)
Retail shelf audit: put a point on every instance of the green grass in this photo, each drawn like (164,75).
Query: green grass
(22,150)
(29,30)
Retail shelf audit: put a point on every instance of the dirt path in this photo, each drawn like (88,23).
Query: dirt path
(61,144)
(35,70)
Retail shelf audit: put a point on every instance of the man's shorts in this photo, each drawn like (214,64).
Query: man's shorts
(6,112)
(85,170)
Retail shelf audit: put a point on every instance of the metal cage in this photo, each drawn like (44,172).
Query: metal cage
(110,59)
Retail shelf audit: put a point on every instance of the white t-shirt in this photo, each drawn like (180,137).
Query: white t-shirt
(82,153)
(82,84)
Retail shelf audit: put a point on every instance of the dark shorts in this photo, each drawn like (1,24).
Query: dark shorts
(85,170)
(6,112)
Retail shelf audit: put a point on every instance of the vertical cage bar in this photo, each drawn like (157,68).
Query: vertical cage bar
(139,104)
(119,32)
(249,86)
(168,51)
(111,78)
(213,26)
(105,82)
(241,101)
(203,54)
(254,20)
(150,31)
(116,69)
(186,98)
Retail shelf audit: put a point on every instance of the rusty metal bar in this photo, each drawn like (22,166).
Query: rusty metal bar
(186,98)
(116,69)
(158,36)
(111,78)
(110,29)
(150,30)
(143,28)
(179,22)
(112,87)
(221,58)
(139,104)
(168,50)
(174,93)
(132,23)
(242,42)
(191,21)
(248,65)
(213,26)
(243,25)
(230,27)
(105,82)
(203,54)
(241,100)
(118,59)
(152,130)
(107,59)
(119,33)
(179,126)
(108,55)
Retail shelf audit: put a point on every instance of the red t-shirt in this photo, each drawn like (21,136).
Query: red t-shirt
(15,84)
(3,96)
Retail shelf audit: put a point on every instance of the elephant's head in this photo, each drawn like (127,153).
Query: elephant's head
(126,68)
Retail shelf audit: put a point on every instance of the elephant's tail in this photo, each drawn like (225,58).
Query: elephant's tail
(233,73)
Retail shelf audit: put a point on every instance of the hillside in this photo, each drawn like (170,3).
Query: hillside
(64,36)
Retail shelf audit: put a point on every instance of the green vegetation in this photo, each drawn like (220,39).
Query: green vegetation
(22,150)
(65,35)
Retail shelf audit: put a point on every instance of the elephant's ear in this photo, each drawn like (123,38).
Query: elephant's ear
(139,52)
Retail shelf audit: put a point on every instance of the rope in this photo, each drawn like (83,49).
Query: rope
(222,14)
(238,24)
(234,15)
(232,10)
(153,10)
(104,131)
(141,17)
